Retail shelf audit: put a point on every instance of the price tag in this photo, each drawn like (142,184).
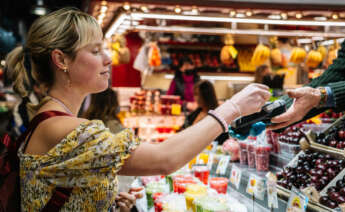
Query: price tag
(256,186)
(235,177)
(214,146)
(175,109)
(210,161)
(223,164)
(272,197)
(297,201)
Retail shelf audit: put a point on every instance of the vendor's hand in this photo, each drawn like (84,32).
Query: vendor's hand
(136,192)
(126,201)
(305,99)
(249,100)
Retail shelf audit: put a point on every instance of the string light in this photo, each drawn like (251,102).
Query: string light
(284,16)
(232,13)
(335,16)
(195,10)
(249,13)
(126,6)
(144,9)
(178,9)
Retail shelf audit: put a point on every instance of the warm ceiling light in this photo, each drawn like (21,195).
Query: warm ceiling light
(104,9)
(284,16)
(144,9)
(240,15)
(3,62)
(178,9)
(335,16)
(104,3)
(126,6)
(249,13)
(299,15)
(232,13)
(195,10)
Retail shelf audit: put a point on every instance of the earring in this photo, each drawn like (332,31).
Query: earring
(65,70)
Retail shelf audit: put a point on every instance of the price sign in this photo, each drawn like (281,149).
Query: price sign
(235,176)
(256,186)
(223,163)
(297,201)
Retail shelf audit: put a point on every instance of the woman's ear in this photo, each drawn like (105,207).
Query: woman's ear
(59,59)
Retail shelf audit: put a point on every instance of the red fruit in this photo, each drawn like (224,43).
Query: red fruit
(334,195)
(339,145)
(342,192)
(341,134)
(333,143)
(340,200)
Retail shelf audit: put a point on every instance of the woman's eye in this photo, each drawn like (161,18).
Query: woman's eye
(96,51)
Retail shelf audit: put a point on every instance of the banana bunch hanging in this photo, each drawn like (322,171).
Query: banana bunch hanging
(323,51)
(119,52)
(228,52)
(314,58)
(244,59)
(298,55)
(261,55)
(332,53)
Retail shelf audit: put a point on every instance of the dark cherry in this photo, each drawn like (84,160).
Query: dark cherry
(333,143)
(323,200)
(321,167)
(328,156)
(340,184)
(340,200)
(325,178)
(331,173)
(318,162)
(331,204)
(312,172)
(331,189)
(342,192)
(319,172)
(333,195)
(314,179)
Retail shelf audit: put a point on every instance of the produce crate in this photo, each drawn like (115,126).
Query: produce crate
(310,136)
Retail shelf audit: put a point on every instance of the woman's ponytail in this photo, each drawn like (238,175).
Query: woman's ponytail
(17,71)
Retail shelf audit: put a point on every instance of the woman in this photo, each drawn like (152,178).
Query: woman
(184,79)
(205,96)
(105,106)
(66,55)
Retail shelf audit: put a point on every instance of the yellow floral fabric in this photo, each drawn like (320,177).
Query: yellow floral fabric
(87,160)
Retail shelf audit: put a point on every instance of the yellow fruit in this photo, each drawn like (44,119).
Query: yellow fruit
(261,54)
(227,54)
(323,51)
(313,59)
(297,55)
(276,56)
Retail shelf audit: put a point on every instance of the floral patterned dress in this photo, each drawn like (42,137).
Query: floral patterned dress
(87,160)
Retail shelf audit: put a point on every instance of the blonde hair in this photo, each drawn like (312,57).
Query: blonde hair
(67,29)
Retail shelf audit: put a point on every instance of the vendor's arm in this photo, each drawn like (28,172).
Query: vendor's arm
(334,79)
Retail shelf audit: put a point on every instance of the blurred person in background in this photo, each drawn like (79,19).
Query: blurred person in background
(184,79)
(206,99)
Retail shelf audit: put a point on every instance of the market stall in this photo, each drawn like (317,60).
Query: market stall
(300,169)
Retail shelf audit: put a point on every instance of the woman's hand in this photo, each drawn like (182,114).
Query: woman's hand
(249,100)
(127,200)
(305,99)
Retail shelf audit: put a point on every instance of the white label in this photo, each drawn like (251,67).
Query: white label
(210,161)
(214,146)
(223,163)
(272,197)
(235,176)
(297,201)
(256,186)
